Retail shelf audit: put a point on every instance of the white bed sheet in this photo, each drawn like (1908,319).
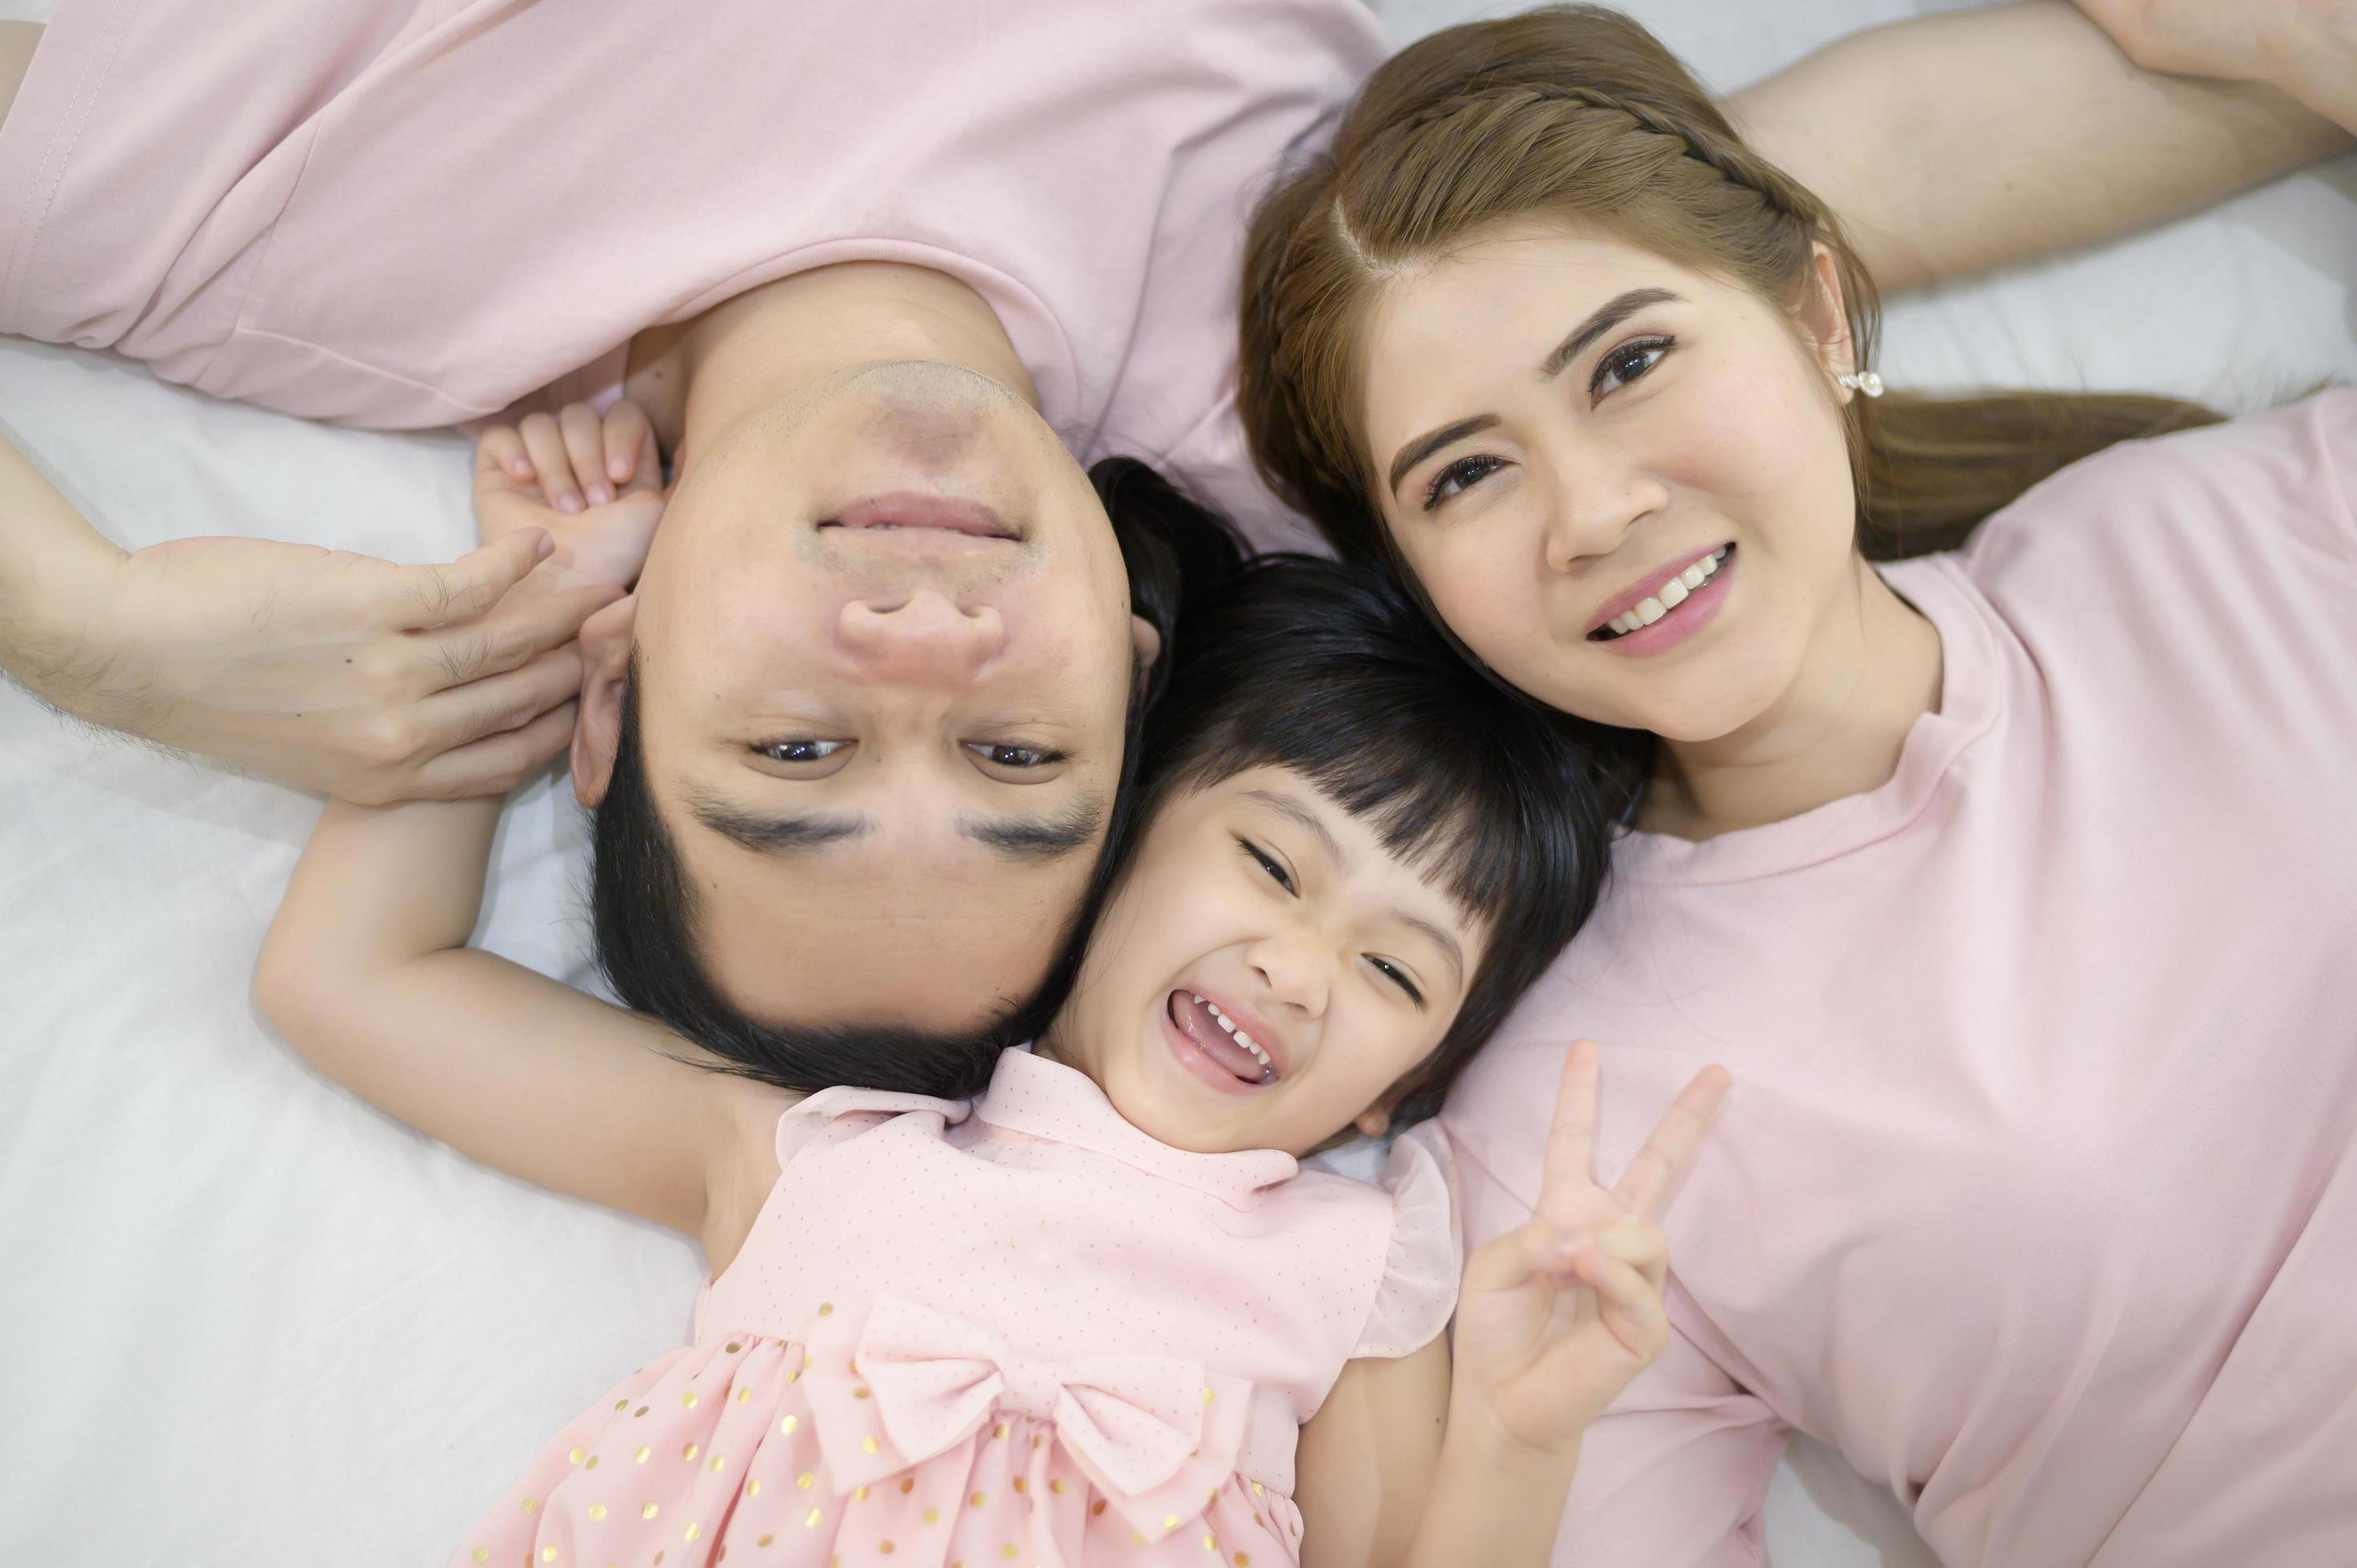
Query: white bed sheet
(246,1319)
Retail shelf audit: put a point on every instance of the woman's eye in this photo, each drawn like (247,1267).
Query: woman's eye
(801,751)
(1267,863)
(1019,757)
(1461,475)
(1626,364)
(1398,977)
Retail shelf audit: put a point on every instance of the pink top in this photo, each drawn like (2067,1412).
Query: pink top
(1021,1329)
(2037,1194)
(400,213)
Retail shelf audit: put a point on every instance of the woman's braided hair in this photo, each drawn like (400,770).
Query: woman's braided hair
(1576,114)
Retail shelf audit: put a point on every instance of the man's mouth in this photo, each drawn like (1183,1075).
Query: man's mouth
(1215,1035)
(916,511)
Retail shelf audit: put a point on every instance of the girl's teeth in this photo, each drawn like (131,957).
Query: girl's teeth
(1650,611)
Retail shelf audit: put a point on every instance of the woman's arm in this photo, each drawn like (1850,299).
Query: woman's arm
(367,974)
(1952,144)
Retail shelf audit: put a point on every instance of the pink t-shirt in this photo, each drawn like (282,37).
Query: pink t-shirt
(2037,1194)
(406,214)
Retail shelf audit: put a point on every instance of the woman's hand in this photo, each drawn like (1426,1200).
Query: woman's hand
(340,672)
(1557,1316)
(594,484)
(2308,49)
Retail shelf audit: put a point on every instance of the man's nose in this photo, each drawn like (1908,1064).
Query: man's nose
(921,637)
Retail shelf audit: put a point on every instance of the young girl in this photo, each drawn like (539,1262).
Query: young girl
(1097,1313)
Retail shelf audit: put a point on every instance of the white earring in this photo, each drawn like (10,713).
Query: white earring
(1864,381)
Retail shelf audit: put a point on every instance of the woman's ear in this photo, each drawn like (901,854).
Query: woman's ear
(1146,642)
(1824,317)
(604,674)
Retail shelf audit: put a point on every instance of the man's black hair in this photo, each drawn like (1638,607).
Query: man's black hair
(1334,672)
(643,914)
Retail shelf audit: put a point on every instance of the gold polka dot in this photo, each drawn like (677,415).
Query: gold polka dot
(1255,1488)
(999,1431)
(575,1456)
(806,1362)
(592,1464)
(1209,1396)
(1097,1507)
(1244,1560)
(765,1539)
(694,1530)
(753,1489)
(932,1516)
(690,1451)
(867,1444)
(548,1554)
(621,1404)
(1007,1550)
(825,1307)
(648,1511)
(978,1499)
(530,1506)
(859,1394)
(1135,1538)
(1038,1439)
(715,1460)
(483,1553)
(687,1399)
(744,1396)
(908,1485)
(786,1427)
(860,1496)
(1170,1521)
(1209,1545)
(1021,1484)
(1211,1497)
(805,1480)
(810,1519)
(658,1557)
(596,1512)
(643,1453)
(638,1412)
(884,1547)
(733,1346)
(1057,1488)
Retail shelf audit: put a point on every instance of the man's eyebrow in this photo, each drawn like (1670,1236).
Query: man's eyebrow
(1294,811)
(1610,313)
(1039,838)
(787,834)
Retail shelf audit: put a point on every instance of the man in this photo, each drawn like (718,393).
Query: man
(885,276)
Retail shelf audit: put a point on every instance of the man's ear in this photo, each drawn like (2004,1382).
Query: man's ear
(1825,318)
(605,674)
(1146,643)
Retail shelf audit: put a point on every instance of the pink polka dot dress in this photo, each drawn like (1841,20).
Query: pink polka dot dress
(1013,1331)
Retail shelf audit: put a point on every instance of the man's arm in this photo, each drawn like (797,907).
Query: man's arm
(1950,145)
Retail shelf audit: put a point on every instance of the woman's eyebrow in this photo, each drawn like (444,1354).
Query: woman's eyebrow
(1424,446)
(1610,313)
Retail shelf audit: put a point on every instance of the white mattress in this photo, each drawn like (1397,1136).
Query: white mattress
(246,1319)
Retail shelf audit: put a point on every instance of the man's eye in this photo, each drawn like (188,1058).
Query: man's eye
(800,750)
(1275,872)
(1015,756)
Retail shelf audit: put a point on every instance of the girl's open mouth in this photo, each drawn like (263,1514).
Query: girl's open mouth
(1215,1039)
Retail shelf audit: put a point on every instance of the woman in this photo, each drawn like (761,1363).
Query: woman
(2010,884)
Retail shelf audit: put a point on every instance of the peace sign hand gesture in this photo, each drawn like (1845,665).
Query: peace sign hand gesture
(1555,1317)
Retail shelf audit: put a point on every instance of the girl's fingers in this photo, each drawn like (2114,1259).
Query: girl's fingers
(1534,1249)
(585,448)
(1645,1186)
(1629,1303)
(413,598)
(628,440)
(496,763)
(545,446)
(1570,1160)
(501,461)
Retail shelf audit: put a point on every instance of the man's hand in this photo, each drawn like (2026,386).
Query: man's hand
(341,672)
(2305,48)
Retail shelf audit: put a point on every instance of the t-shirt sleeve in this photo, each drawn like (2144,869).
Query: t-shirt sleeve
(1418,1291)
(1675,1473)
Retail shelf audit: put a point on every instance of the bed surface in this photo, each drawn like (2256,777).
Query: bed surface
(247,1319)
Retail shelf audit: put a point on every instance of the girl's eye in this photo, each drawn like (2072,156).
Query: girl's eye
(1267,863)
(801,751)
(1019,757)
(1398,977)
(1461,475)
(1626,364)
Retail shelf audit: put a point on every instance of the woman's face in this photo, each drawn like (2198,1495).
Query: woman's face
(1266,973)
(1624,484)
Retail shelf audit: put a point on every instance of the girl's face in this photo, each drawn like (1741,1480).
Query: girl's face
(1265,973)
(1624,484)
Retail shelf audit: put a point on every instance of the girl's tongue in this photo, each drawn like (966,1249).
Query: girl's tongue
(1197,1022)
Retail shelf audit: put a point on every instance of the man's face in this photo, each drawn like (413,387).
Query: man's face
(884,656)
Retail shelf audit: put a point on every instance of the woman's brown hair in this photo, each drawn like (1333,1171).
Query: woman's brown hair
(1577,113)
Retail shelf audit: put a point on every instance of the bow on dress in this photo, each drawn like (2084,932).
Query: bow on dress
(897,1384)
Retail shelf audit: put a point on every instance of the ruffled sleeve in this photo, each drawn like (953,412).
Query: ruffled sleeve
(844,1112)
(1418,1291)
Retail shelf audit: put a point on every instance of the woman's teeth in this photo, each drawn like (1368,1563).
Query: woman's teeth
(1246,1041)
(1670,596)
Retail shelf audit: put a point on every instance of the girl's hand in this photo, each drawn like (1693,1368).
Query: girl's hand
(594,483)
(1557,1316)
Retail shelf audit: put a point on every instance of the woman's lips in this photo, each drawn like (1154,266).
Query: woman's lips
(1648,587)
(1696,610)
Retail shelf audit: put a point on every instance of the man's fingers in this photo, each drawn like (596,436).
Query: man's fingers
(1570,1160)
(415,598)
(585,447)
(514,633)
(500,702)
(546,447)
(1645,1186)
(498,763)
(630,459)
